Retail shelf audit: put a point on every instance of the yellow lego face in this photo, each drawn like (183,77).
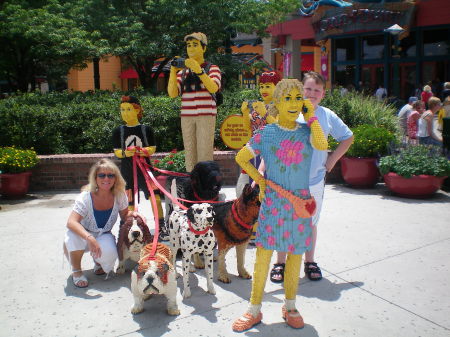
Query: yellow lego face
(194,49)
(129,114)
(290,106)
(266,91)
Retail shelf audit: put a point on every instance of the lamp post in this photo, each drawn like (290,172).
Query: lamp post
(395,31)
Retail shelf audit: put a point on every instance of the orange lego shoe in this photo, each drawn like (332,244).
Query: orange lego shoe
(293,318)
(246,322)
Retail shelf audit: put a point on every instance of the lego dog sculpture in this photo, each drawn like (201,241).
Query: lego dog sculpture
(191,232)
(152,276)
(133,236)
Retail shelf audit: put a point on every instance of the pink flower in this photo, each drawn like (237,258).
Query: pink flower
(286,234)
(268,190)
(289,153)
(262,216)
(279,196)
(304,193)
(271,240)
(257,152)
(269,201)
(269,229)
(258,244)
(291,248)
(294,216)
(287,207)
(280,222)
(301,228)
(274,211)
(308,241)
(257,138)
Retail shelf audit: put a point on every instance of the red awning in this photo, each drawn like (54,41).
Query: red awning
(131,73)
(299,29)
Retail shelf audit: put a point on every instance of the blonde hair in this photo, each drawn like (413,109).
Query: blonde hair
(427,88)
(282,88)
(108,165)
(433,101)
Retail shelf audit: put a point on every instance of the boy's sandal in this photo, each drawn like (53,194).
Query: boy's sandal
(277,273)
(77,279)
(292,318)
(98,270)
(246,322)
(313,268)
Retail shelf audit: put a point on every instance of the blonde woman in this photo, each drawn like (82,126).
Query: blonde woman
(93,215)
(425,132)
(426,94)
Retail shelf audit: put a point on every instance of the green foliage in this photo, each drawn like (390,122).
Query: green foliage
(369,141)
(416,160)
(357,109)
(64,122)
(15,160)
(174,161)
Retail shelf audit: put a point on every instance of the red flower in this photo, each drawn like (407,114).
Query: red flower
(174,151)
(156,161)
(170,162)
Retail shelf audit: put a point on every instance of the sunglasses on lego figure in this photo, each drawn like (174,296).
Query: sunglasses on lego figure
(104,175)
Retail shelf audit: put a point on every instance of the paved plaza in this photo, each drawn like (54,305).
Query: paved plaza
(385,261)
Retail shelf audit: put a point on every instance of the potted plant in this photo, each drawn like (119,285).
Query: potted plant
(359,165)
(173,162)
(415,170)
(15,166)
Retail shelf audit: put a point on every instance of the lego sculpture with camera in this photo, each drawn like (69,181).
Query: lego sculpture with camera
(197,82)
(286,203)
(126,138)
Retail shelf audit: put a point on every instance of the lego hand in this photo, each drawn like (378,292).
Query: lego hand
(260,108)
(244,108)
(307,105)
(193,65)
(148,151)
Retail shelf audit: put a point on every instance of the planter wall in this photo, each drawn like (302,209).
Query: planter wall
(359,172)
(414,187)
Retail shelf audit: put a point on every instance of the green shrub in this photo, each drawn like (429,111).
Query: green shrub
(174,161)
(357,109)
(369,141)
(416,160)
(74,122)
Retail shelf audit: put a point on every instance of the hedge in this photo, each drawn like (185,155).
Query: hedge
(74,122)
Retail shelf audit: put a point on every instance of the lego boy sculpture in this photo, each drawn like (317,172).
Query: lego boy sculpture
(138,135)
(196,81)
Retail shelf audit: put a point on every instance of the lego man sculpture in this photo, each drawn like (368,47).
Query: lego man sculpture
(196,81)
(134,134)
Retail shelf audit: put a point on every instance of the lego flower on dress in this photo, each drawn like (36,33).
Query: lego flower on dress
(290,153)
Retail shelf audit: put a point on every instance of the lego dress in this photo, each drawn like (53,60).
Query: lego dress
(287,155)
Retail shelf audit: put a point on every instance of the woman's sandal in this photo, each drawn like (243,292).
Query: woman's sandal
(277,273)
(246,322)
(292,318)
(98,270)
(77,279)
(313,268)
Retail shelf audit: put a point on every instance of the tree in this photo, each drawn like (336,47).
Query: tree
(37,39)
(142,32)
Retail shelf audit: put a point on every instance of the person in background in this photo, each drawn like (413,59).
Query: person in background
(426,94)
(314,88)
(425,132)
(403,115)
(445,92)
(381,93)
(93,216)
(418,107)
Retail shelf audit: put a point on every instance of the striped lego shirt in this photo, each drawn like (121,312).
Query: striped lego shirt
(199,103)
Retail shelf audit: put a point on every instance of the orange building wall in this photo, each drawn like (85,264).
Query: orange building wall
(248,49)
(83,80)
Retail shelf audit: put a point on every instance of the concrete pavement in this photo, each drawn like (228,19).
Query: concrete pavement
(385,261)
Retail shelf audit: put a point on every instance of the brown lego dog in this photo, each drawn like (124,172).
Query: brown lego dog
(233,223)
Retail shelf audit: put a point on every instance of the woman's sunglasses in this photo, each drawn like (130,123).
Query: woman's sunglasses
(104,175)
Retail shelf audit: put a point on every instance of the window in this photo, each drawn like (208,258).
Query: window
(344,75)
(372,47)
(436,42)
(345,49)
(408,47)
